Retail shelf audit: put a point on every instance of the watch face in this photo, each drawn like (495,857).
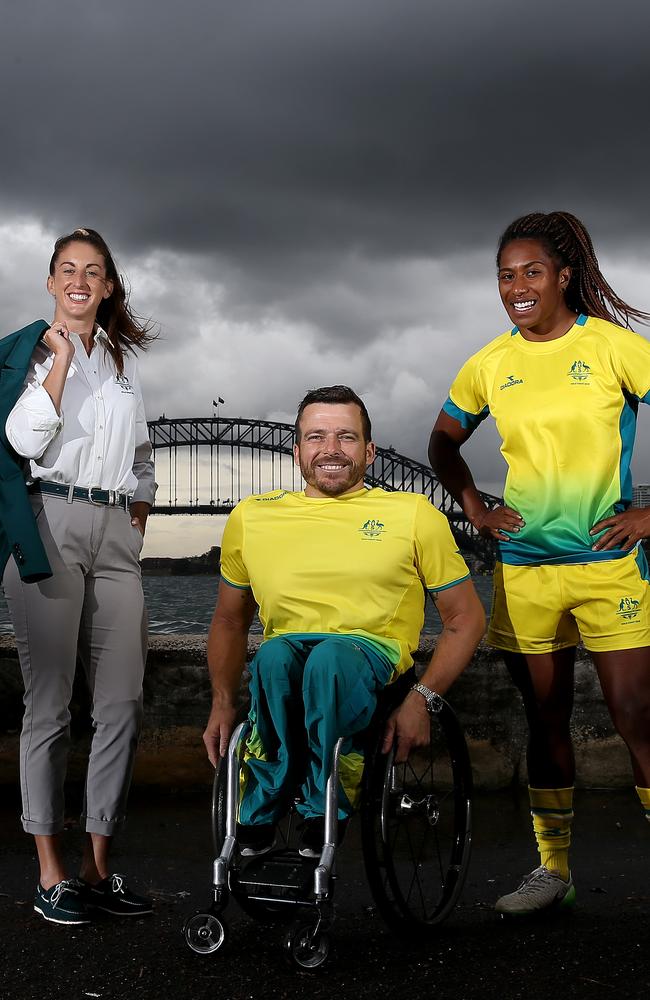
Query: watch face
(434,701)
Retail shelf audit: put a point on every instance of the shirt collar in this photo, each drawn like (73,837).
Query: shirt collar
(101,335)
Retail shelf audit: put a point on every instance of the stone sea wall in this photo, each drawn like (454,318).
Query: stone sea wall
(177,701)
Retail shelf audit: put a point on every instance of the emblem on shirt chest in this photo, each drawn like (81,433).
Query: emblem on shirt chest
(372,530)
(579,373)
(124,384)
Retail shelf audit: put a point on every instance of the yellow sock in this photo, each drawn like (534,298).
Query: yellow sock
(552,812)
(644,795)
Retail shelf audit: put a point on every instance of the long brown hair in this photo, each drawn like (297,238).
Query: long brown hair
(125,330)
(566,240)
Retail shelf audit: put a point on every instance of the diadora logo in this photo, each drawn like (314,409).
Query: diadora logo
(628,610)
(511,381)
(372,530)
(276,496)
(580,373)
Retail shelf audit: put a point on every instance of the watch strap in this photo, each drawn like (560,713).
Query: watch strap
(433,700)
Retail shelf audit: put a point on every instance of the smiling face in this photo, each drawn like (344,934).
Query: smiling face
(79,284)
(332,453)
(532,289)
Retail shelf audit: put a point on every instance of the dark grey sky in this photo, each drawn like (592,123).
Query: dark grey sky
(393,128)
(304,191)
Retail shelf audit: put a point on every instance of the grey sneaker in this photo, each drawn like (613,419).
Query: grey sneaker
(541,890)
(62,904)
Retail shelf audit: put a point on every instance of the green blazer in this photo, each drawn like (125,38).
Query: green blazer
(19,534)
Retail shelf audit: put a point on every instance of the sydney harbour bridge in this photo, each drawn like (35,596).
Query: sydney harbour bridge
(205,465)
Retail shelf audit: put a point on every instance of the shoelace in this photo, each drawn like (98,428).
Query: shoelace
(535,882)
(67,885)
(117,883)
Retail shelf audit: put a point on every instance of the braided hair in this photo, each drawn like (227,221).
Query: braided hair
(567,242)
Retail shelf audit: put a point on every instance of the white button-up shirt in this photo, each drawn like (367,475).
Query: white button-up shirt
(101,437)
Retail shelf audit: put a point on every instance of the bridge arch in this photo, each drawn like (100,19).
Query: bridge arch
(201,470)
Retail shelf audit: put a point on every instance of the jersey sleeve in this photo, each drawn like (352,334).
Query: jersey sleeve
(233,567)
(633,362)
(438,560)
(466,401)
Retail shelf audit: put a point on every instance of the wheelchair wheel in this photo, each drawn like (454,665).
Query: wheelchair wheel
(416,827)
(218,812)
(204,933)
(305,945)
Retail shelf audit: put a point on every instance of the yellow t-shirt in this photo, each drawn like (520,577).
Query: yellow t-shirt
(353,565)
(566,412)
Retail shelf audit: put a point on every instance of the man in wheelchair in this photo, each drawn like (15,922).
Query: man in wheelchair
(339,573)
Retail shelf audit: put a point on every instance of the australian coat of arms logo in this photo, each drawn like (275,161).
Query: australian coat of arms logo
(580,373)
(124,384)
(372,529)
(628,609)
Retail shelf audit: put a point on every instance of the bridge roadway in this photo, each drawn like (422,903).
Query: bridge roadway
(189,444)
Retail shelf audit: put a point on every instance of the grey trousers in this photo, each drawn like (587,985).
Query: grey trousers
(92,605)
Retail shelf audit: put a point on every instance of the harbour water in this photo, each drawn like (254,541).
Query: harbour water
(183,605)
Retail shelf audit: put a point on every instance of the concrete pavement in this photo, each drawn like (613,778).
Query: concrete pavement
(598,951)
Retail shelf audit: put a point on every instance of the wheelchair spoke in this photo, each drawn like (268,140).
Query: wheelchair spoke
(421,839)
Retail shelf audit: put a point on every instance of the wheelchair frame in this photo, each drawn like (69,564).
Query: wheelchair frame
(421,809)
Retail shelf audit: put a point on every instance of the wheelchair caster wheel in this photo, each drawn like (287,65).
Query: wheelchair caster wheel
(204,933)
(305,946)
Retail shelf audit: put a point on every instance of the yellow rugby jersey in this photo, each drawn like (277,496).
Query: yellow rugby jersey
(566,412)
(353,565)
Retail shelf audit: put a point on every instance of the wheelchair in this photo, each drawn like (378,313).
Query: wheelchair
(415,832)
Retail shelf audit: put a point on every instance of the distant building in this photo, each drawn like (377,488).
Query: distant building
(641,495)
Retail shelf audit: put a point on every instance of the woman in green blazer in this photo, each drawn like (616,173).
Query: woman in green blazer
(76,485)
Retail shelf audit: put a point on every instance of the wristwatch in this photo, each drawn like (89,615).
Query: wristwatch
(433,700)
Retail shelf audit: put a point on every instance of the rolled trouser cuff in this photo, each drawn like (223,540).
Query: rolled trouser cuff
(42,829)
(106,827)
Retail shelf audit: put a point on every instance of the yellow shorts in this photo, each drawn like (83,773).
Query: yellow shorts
(536,609)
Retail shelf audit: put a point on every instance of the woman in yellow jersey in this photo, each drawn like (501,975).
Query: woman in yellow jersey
(563,386)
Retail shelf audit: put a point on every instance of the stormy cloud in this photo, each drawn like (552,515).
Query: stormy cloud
(304,192)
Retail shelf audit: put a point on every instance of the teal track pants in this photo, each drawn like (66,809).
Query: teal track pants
(305,695)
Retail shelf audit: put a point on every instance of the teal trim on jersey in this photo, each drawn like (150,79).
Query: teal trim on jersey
(375,646)
(521,554)
(447,586)
(237,586)
(646,398)
(468,421)
(642,563)
(581,320)
(627,430)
